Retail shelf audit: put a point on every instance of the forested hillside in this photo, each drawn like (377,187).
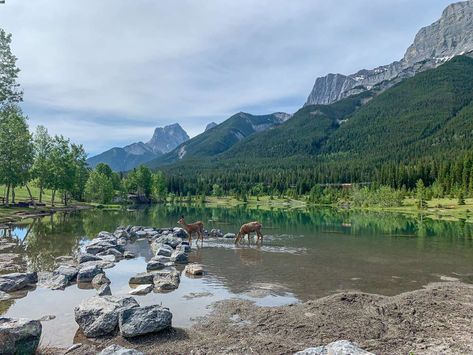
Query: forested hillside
(410,131)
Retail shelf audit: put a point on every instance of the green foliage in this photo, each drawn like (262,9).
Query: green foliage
(99,188)
(421,194)
(383,196)
(159,186)
(16,149)
(10,91)
(140,181)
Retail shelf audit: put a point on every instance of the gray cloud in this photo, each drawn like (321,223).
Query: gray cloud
(107,72)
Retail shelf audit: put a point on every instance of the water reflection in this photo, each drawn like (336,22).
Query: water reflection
(306,254)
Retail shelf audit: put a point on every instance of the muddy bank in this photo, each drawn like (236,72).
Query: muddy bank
(436,319)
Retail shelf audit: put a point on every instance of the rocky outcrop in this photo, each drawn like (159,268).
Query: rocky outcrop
(341,347)
(144,320)
(19,336)
(167,138)
(446,38)
(98,316)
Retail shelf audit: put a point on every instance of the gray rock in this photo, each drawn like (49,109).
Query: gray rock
(104,264)
(216,233)
(164,250)
(155,265)
(83,258)
(450,36)
(185,248)
(194,269)
(118,350)
(180,233)
(86,274)
(4,296)
(144,320)
(142,289)
(121,234)
(17,281)
(99,280)
(104,290)
(70,272)
(53,281)
(229,235)
(98,316)
(179,257)
(143,278)
(341,347)
(111,251)
(170,240)
(19,336)
(167,281)
(129,255)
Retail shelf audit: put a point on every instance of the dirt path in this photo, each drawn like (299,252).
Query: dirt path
(436,319)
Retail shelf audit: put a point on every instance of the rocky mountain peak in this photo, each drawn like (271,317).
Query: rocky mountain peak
(167,138)
(210,126)
(446,38)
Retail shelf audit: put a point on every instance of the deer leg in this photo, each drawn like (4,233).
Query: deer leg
(190,238)
(260,237)
(237,238)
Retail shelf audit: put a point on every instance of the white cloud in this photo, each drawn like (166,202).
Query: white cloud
(149,63)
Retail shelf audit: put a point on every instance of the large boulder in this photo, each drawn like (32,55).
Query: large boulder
(340,347)
(17,281)
(98,316)
(53,281)
(118,350)
(104,290)
(86,274)
(143,320)
(19,336)
(229,236)
(164,250)
(167,281)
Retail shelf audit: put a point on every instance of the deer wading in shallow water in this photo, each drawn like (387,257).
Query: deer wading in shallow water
(196,227)
(250,228)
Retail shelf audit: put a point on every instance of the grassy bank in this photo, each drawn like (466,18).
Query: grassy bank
(14,214)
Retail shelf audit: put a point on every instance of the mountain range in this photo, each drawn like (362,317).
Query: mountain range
(163,140)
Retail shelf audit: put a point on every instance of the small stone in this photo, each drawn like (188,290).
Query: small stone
(155,265)
(142,289)
(118,350)
(229,235)
(83,258)
(194,269)
(129,255)
(180,257)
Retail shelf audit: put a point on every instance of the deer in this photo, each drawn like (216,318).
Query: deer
(248,228)
(196,227)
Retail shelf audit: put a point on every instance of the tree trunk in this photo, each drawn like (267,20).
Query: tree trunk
(31,196)
(52,198)
(8,196)
(12,195)
(65,198)
(40,193)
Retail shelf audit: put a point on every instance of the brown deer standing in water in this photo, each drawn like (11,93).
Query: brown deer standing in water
(196,227)
(250,228)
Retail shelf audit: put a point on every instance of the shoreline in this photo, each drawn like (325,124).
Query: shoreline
(433,319)
(12,215)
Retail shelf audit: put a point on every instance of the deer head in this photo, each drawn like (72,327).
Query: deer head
(181,220)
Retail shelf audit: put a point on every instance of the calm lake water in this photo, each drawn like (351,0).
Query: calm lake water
(306,254)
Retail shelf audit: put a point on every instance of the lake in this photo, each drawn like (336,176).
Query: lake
(306,254)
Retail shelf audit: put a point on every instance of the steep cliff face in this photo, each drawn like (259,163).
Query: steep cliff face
(167,138)
(446,38)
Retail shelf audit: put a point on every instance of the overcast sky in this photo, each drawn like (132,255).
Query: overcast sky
(106,73)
